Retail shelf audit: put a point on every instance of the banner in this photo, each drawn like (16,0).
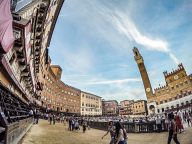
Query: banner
(6,28)
(27,41)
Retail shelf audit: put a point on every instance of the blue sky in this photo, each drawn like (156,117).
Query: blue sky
(93,42)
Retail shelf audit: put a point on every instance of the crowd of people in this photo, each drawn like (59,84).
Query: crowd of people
(73,122)
(172,122)
(181,117)
(35,114)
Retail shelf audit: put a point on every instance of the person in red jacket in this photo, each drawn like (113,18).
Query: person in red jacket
(179,123)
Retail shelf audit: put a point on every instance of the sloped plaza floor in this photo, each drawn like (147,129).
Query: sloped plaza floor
(43,133)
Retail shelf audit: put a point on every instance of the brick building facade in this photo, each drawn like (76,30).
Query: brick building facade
(131,107)
(57,95)
(110,108)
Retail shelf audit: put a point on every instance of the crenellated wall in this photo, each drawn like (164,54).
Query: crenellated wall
(177,83)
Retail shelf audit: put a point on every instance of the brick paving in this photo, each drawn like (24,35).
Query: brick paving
(58,134)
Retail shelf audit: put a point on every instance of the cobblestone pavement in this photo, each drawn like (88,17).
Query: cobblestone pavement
(58,134)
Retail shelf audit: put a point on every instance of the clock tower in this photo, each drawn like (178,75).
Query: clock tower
(143,72)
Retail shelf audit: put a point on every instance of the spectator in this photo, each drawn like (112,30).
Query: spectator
(172,129)
(179,123)
(158,124)
(110,130)
(84,126)
(119,136)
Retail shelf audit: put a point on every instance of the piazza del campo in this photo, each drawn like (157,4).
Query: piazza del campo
(95,72)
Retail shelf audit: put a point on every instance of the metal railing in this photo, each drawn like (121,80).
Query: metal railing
(133,127)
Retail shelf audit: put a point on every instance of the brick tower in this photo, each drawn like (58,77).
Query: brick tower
(143,72)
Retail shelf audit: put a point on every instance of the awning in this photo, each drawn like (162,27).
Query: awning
(6,28)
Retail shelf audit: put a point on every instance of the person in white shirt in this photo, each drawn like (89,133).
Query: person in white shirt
(31,112)
(158,123)
(119,133)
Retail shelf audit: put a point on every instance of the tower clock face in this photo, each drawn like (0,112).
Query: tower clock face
(148,89)
(176,77)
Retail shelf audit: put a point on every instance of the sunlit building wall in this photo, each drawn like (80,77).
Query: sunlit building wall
(90,104)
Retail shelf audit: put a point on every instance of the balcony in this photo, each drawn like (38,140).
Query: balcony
(42,8)
(36,58)
(37,62)
(23,73)
(36,55)
(37,49)
(40,20)
(36,68)
(21,60)
(24,69)
(20,54)
(18,43)
(29,83)
(27,78)
(21,63)
(18,49)
(38,36)
(37,43)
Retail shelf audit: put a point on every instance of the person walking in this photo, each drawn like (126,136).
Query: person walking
(166,122)
(179,123)
(84,126)
(125,134)
(37,117)
(77,125)
(110,130)
(172,129)
(158,123)
(54,119)
(188,119)
(50,118)
(119,136)
(73,124)
(70,121)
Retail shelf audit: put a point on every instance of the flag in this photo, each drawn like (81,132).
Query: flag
(6,28)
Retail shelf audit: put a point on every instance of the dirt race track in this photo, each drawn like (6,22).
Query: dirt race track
(43,133)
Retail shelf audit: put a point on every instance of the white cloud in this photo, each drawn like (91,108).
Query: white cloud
(124,92)
(124,25)
(101,81)
(107,21)
(120,81)
(127,27)
(174,58)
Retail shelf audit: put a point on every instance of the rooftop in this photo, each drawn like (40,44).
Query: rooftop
(90,94)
